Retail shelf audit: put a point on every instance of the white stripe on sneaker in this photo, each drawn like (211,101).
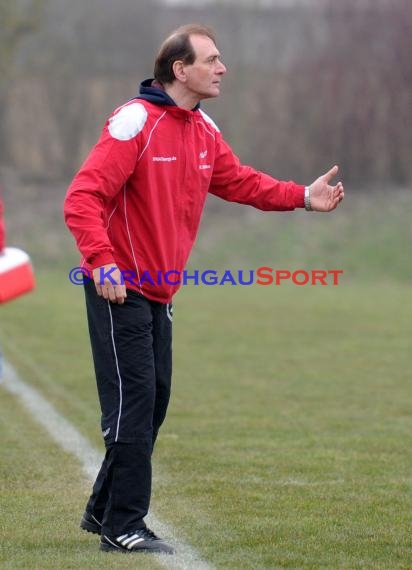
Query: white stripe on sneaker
(125,541)
(132,544)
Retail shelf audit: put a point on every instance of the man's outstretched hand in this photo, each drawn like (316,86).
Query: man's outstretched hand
(323,197)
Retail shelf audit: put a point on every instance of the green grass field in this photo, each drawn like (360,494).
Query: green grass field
(287,443)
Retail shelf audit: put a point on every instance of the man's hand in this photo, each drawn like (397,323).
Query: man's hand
(323,197)
(110,283)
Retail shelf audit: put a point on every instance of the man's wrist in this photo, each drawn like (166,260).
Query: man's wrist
(308,205)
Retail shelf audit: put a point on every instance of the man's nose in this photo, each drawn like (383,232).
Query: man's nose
(221,68)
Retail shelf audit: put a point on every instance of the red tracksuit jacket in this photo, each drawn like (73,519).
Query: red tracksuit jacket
(138,198)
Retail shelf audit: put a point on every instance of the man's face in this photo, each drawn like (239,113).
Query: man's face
(205,73)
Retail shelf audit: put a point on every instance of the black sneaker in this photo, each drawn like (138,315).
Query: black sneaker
(90,523)
(141,540)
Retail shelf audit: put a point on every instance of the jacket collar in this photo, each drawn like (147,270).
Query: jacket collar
(152,91)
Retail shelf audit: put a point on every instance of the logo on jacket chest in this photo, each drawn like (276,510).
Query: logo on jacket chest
(164,158)
(202,156)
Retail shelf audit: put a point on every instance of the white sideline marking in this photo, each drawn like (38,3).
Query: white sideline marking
(304,483)
(70,439)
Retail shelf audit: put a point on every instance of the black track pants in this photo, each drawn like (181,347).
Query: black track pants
(132,353)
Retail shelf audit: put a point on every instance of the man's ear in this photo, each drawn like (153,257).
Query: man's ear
(179,71)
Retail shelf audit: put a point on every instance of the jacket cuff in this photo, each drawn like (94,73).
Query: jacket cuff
(101,259)
(299,196)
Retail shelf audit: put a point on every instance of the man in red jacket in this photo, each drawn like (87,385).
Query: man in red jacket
(134,209)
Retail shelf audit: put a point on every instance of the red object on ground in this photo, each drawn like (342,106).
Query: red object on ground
(16,274)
